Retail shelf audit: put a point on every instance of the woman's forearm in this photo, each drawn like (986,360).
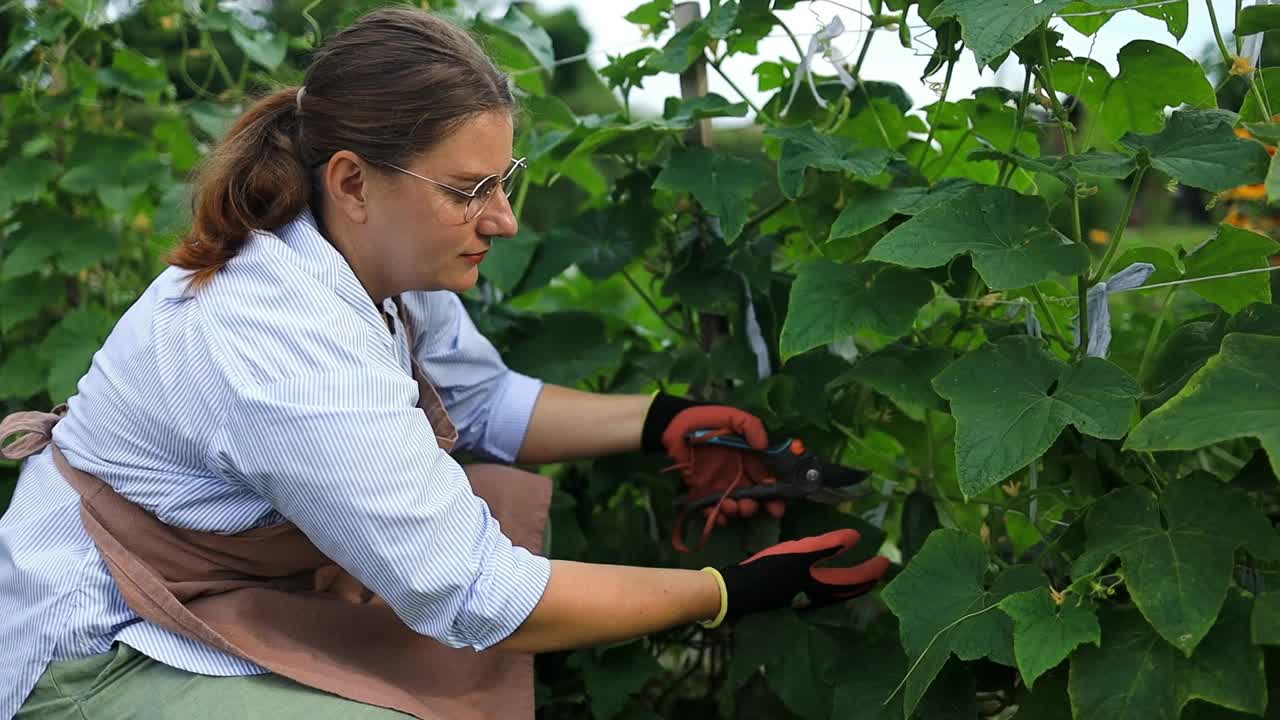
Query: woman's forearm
(587,604)
(570,424)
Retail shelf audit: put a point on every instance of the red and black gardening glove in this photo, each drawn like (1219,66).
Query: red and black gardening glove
(773,577)
(709,469)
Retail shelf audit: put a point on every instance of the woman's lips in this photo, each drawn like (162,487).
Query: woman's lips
(475,257)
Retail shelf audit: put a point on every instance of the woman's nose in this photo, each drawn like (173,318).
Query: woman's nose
(498,218)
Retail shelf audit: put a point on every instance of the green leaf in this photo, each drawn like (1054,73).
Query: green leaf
(213,119)
(1200,149)
(1208,408)
(803,148)
(508,259)
(1045,633)
(1177,551)
(653,15)
(23,375)
(116,167)
(864,212)
(937,598)
(722,19)
(991,28)
(1070,169)
(135,74)
(1089,17)
(1012,399)
(1008,235)
(69,348)
(792,654)
(1272,183)
(1168,267)
(682,49)
(710,105)
(1264,629)
(904,375)
(1266,78)
(830,301)
(517,26)
(24,180)
(1258,18)
(48,235)
(722,184)
(24,298)
(265,47)
(541,353)
(1136,675)
(1152,76)
(613,675)
(1266,132)
(1232,249)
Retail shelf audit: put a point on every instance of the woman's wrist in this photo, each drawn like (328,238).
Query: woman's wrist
(723,595)
(662,410)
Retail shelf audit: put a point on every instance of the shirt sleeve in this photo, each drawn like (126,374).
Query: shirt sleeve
(349,459)
(490,404)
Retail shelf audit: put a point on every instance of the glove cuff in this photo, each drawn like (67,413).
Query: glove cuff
(662,411)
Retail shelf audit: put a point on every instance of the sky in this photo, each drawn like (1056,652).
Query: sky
(887,59)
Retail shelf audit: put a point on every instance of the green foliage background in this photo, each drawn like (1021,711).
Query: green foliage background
(1087,537)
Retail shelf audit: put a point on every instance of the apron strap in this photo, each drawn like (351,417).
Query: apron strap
(428,399)
(34,428)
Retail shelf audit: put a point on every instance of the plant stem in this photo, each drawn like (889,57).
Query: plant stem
(1229,62)
(763,215)
(1017,130)
(715,65)
(946,159)
(1154,337)
(1082,281)
(778,21)
(1116,236)
(653,306)
(946,86)
(1049,319)
(857,78)
(1239,37)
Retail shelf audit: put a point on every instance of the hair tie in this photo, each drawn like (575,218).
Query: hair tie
(302,89)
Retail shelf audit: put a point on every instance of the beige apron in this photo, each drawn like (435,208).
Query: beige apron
(269,596)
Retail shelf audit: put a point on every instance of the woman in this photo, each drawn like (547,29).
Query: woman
(245,510)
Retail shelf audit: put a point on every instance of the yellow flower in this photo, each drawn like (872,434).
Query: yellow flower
(1098,236)
(1257,191)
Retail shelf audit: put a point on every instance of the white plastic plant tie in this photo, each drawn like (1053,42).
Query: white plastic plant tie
(1032,321)
(876,515)
(755,338)
(845,348)
(820,43)
(1099,306)
(1251,50)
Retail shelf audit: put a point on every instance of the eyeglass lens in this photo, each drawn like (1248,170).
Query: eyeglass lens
(477,204)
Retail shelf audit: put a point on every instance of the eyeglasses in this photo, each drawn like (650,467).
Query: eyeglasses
(477,197)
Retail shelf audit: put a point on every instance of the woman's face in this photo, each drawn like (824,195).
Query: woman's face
(417,230)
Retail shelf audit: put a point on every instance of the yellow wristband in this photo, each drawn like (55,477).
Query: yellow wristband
(724,600)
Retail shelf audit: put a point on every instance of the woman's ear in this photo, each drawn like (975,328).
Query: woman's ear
(346,178)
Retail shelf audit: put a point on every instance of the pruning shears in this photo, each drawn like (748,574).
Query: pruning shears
(798,472)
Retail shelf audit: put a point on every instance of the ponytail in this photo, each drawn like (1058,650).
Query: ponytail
(255,179)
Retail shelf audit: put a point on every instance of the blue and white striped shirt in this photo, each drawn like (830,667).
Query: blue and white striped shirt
(276,392)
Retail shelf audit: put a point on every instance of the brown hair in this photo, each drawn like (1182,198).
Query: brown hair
(389,87)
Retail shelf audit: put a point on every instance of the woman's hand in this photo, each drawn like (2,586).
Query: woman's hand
(773,577)
(715,469)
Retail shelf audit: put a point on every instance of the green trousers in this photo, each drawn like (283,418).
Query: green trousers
(124,684)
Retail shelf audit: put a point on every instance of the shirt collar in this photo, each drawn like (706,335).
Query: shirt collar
(323,261)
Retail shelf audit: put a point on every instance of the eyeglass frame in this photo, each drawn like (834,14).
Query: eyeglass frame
(516,164)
